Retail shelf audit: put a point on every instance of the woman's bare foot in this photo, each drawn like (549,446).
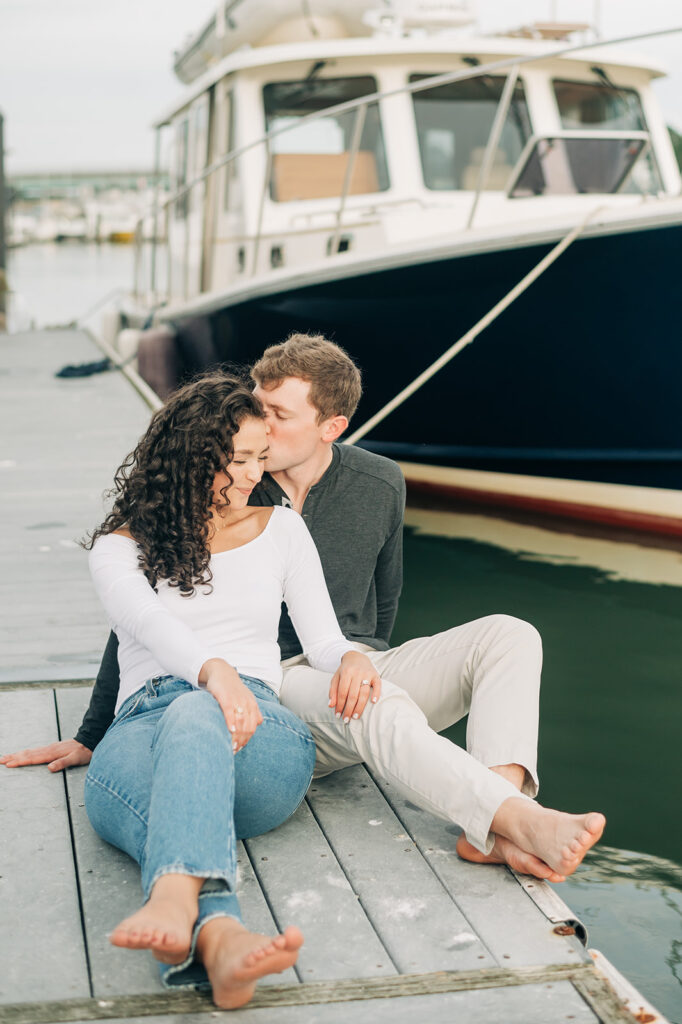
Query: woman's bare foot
(506,852)
(164,924)
(235,958)
(560,840)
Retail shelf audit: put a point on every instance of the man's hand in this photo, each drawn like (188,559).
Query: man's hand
(57,756)
(237,703)
(353,681)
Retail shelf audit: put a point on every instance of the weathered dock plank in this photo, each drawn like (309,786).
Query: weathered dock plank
(533,1004)
(42,949)
(109,881)
(306,886)
(535,989)
(498,909)
(420,924)
(61,442)
(124,983)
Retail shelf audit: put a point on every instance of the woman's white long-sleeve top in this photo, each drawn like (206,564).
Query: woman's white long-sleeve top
(236,618)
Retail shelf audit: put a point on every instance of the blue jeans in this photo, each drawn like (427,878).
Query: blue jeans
(164,786)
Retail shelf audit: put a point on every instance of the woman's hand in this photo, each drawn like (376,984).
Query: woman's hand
(351,685)
(238,704)
(57,756)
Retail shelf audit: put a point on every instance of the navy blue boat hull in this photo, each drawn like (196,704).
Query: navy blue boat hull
(580,378)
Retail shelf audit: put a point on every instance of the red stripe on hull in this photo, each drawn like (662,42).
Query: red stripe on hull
(646,522)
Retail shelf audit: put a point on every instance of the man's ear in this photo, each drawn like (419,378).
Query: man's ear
(334,427)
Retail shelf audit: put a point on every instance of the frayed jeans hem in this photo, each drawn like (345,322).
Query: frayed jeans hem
(196,976)
(184,869)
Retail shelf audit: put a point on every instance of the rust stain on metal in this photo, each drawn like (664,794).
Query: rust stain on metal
(564,929)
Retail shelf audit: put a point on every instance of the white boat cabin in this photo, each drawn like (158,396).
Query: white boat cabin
(535,140)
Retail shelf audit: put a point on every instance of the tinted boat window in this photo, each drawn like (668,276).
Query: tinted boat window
(557,167)
(453,125)
(598,106)
(310,161)
(593,105)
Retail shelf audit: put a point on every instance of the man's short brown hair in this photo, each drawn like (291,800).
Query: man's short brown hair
(335,382)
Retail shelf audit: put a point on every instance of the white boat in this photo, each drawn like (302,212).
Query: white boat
(388,177)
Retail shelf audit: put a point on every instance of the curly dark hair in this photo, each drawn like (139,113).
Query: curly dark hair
(163,489)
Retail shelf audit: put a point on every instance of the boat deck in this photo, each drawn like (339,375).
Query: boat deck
(397,928)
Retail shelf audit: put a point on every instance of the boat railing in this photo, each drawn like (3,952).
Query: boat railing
(511,66)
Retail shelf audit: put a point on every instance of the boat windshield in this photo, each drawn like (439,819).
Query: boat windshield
(453,125)
(310,161)
(607,107)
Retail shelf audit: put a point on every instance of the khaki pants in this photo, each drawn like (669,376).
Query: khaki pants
(488,669)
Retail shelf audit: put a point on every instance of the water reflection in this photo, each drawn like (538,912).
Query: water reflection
(636,560)
(632,907)
(609,613)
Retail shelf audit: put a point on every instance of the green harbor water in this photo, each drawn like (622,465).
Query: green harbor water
(609,613)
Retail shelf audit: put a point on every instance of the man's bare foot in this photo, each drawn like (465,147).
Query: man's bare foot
(235,958)
(164,924)
(506,852)
(560,840)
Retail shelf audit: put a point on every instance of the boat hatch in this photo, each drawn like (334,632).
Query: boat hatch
(604,106)
(577,163)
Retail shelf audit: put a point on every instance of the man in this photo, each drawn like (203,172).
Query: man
(352,502)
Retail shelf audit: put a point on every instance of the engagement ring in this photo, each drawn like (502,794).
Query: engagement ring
(240,711)
(365,682)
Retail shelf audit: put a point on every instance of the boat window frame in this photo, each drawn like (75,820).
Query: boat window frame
(381,158)
(649,158)
(200,132)
(229,129)
(181,163)
(414,76)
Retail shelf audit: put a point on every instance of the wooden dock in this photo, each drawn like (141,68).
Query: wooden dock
(397,928)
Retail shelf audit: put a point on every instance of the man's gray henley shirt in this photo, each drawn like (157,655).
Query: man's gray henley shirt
(355,516)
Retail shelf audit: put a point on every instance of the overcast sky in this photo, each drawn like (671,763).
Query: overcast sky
(81,81)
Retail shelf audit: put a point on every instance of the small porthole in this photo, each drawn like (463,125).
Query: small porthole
(343,244)
(276,256)
(241,258)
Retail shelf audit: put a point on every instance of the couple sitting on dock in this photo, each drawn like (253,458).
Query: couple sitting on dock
(214,737)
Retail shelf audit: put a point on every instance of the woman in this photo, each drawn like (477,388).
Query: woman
(201,752)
